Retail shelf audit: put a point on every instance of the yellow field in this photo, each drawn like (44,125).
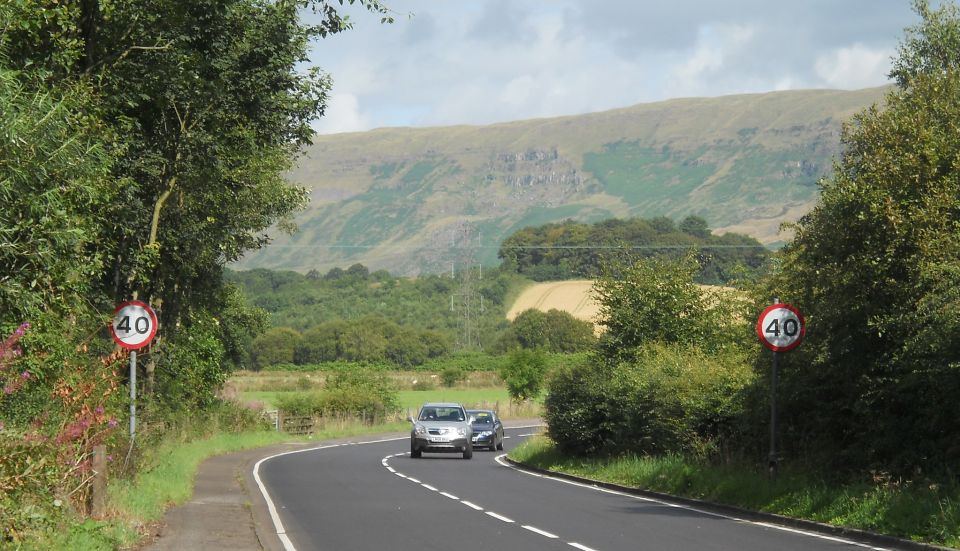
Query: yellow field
(572,296)
(568,296)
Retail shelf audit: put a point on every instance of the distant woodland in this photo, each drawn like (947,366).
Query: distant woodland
(576,250)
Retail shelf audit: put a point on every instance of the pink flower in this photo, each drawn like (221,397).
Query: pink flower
(113,422)
(99,410)
(25,375)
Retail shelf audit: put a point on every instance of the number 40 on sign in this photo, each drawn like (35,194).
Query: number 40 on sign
(781,327)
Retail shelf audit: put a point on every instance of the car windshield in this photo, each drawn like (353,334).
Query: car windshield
(482,418)
(441,414)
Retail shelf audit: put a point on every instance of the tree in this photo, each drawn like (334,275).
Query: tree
(55,187)
(210,108)
(878,377)
(523,372)
(695,226)
(657,300)
(554,330)
(276,346)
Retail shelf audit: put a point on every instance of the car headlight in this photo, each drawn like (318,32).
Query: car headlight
(485,433)
(462,431)
(419,429)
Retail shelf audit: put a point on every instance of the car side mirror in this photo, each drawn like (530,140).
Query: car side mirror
(410,418)
(471,420)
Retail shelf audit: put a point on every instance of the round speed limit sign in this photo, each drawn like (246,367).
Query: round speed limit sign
(781,327)
(134,325)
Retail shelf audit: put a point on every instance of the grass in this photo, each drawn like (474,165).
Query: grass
(485,398)
(923,512)
(165,480)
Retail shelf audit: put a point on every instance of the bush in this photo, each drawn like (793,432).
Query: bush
(671,399)
(523,373)
(451,376)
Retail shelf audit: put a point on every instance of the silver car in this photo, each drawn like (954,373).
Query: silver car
(443,428)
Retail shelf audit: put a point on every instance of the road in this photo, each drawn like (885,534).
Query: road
(373,496)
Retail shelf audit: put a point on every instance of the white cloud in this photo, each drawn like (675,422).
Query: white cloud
(497,60)
(698,72)
(854,67)
(343,115)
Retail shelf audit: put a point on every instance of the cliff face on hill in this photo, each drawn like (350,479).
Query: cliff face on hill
(427,199)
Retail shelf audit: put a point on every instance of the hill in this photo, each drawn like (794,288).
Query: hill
(420,200)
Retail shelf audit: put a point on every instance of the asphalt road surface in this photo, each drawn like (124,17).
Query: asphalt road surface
(373,496)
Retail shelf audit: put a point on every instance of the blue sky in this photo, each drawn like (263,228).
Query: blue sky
(447,62)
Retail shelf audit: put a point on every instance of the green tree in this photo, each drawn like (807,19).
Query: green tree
(695,226)
(524,372)
(657,300)
(55,188)
(878,376)
(554,330)
(211,109)
(275,346)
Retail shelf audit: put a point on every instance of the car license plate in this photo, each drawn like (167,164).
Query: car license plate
(439,439)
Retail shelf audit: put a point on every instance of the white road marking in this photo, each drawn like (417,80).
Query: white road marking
(451,496)
(499,459)
(580,546)
(411,479)
(500,517)
(541,532)
(429,487)
(401,475)
(272,508)
(471,505)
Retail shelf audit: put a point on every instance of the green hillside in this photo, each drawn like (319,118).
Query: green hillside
(420,200)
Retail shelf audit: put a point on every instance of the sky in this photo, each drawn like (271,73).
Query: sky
(449,62)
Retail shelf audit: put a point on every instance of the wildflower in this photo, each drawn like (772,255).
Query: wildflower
(25,375)
(112,423)
(57,503)
(99,410)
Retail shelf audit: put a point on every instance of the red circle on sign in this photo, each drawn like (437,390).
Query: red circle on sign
(781,345)
(150,333)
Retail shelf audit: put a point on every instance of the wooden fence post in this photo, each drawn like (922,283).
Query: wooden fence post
(98,501)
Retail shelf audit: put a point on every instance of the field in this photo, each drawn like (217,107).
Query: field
(480,390)
(569,296)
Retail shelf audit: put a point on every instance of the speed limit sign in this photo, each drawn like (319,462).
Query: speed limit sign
(134,325)
(781,327)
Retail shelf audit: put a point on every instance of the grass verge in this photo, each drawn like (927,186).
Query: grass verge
(166,480)
(924,512)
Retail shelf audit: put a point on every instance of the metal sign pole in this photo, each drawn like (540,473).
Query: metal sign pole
(773,417)
(772,459)
(133,393)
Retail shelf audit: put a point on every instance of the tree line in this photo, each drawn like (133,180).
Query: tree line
(570,249)
(354,314)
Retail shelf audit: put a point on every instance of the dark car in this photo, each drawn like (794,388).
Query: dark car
(487,429)
(441,427)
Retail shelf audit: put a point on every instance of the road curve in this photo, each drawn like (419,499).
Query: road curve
(373,496)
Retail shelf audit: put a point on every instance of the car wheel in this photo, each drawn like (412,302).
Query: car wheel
(468,452)
(500,445)
(414,452)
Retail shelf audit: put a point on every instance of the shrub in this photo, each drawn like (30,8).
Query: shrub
(671,399)
(451,376)
(523,373)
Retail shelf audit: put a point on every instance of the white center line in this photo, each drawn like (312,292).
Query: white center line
(499,517)
(429,487)
(471,505)
(581,547)
(451,496)
(541,532)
